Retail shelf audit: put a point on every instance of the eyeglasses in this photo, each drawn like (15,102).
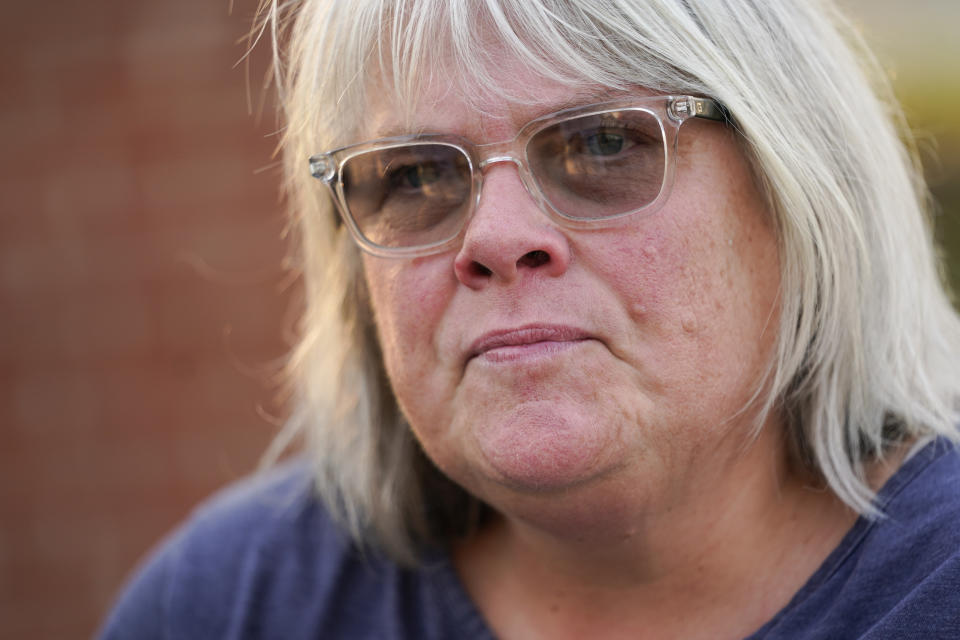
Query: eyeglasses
(412,195)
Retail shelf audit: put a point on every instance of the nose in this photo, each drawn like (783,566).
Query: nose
(508,236)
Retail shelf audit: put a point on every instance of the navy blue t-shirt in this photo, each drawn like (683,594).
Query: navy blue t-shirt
(263,560)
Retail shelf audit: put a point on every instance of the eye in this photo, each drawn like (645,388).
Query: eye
(413,177)
(605,142)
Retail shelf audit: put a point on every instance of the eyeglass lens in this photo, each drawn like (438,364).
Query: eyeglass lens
(588,167)
(411,195)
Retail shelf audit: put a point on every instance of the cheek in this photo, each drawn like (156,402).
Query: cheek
(727,298)
(640,264)
(699,283)
(660,276)
(408,299)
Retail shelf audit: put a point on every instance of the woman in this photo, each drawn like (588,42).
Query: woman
(623,321)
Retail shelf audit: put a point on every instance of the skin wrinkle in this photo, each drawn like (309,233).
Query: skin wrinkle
(656,256)
(690,405)
(611,463)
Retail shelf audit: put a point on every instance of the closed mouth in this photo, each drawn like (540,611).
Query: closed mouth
(507,343)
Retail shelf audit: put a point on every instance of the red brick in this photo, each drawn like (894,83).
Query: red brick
(140,276)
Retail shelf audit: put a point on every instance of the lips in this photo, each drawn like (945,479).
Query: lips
(529,340)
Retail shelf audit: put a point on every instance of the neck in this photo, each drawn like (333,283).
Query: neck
(732,547)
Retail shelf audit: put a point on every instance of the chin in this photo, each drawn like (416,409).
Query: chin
(540,448)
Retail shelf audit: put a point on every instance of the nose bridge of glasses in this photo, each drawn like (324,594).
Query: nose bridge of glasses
(486,162)
(497,152)
(508,151)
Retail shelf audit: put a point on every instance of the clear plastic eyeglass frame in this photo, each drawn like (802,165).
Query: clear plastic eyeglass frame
(669,111)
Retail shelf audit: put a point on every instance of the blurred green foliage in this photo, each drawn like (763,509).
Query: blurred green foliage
(933,116)
(916,43)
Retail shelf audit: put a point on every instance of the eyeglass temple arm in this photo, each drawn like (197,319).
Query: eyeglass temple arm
(706,108)
(710,109)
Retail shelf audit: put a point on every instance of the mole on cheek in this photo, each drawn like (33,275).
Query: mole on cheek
(689,322)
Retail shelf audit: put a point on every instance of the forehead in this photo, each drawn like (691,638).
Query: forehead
(450,104)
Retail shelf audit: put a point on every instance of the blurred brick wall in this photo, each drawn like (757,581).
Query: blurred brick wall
(142,302)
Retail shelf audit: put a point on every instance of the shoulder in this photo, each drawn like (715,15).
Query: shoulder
(909,568)
(897,576)
(236,556)
(921,522)
(264,559)
(273,516)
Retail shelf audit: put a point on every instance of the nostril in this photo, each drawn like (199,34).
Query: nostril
(534,259)
(480,270)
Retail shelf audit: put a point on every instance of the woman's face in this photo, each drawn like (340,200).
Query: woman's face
(535,359)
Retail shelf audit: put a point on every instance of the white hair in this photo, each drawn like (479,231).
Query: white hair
(868,342)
